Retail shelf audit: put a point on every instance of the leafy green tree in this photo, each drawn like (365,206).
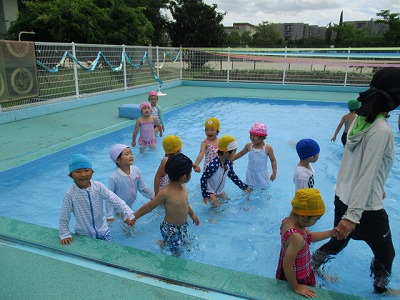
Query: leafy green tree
(246,38)
(127,25)
(152,9)
(354,37)
(267,35)
(392,36)
(232,39)
(83,21)
(195,24)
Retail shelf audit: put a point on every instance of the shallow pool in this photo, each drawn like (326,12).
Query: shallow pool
(243,234)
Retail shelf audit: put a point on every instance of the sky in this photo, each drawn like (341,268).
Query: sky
(313,12)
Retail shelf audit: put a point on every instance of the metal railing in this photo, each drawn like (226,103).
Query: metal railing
(69,70)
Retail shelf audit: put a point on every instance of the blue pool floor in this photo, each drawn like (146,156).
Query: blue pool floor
(33,263)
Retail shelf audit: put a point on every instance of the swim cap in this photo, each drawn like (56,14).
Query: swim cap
(116,150)
(353,104)
(143,104)
(383,94)
(212,123)
(308,202)
(258,129)
(153,93)
(79,161)
(306,148)
(171,144)
(177,165)
(227,143)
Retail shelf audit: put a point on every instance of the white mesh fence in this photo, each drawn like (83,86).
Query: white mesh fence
(69,70)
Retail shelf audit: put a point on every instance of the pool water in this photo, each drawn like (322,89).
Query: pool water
(242,234)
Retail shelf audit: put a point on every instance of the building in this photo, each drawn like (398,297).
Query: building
(241,28)
(373,27)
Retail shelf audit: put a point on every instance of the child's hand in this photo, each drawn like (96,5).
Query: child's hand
(195,219)
(335,233)
(273,176)
(130,222)
(305,291)
(196,168)
(133,143)
(66,241)
(247,190)
(110,219)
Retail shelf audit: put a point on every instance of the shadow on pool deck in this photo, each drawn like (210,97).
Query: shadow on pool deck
(33,263)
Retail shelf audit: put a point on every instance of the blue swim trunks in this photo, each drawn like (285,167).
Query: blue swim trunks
(176,237)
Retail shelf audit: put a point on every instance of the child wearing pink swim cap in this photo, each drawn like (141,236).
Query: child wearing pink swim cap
(145,124)
(257,175)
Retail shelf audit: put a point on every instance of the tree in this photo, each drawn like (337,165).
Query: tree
(152,11)
(392,36)
(195,24)
(267,35)
(83,21)
(354,37)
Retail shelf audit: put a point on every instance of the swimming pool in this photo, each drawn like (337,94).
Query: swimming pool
(241,235)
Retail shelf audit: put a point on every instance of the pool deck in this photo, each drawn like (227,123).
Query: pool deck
(33,263)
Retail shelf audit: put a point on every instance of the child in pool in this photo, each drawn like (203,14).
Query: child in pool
(294,263)
(156,111)
(174,199)
(146,125)
(84,199)
(172,145)
(257,175)
(208,146)
(346,120)
(308,152)
(214,177)
(126,180)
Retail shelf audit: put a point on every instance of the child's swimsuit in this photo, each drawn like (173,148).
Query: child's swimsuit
(302,265)
(147,135)
(209,154)
(176,237)
(257,172)
(165,179)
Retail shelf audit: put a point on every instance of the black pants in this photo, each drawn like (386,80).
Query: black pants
(373,229)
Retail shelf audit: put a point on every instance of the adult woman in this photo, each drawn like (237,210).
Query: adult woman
(359,190)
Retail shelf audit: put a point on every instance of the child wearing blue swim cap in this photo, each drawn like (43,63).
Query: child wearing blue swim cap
(85,200)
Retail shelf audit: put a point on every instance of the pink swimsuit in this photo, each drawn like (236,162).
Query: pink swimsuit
(147,135)
(210,153)
(302,266)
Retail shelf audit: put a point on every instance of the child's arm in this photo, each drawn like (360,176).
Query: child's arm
(199,158)
(109,206)
(294,244)
(270,152)
(159,174)
(149,206)
(322,235)
(242,152)
(161,116)
(337,129)
(236,180)
(135,132)
(65,216)
(157,123)
(193,216)
(142,187)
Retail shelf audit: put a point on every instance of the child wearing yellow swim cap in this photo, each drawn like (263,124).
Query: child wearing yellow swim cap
(295,265)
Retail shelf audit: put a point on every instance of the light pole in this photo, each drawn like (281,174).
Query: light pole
(26,32)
